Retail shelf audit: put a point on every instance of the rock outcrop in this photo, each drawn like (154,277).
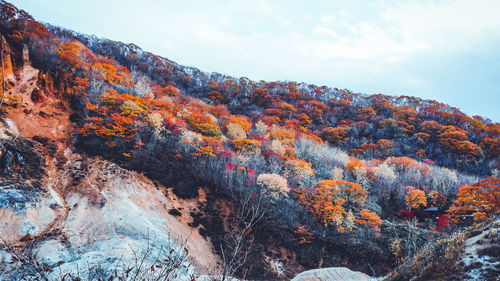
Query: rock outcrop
(72,211)
(332,274)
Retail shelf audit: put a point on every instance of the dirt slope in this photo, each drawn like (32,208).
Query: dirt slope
(76,210)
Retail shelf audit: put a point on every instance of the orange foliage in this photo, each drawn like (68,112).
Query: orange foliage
(287,108)
(455,140)
(285,136)
(366,113)
(420,154)
(240,120)
(70,53)
(389,122)
(305,120)
(112,74)
(312,137)
(491,146)
(369,218)
(415,198)
(168,90)
(314,108)
(353,164)
(436,199)
(323,205)
(204,151)
(305,236)
(203,124)
(353,193)
(79,86)
(336,136)
(331,200)
(109,127)
(215,96)
(245,144)
(403,164)
(480,199)
(384,147)
(405,114)
(423,138)
(430,127)
(215,144)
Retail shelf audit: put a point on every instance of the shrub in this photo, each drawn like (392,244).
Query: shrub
(235,131)
(204,125)
(275,183)
(156,121)
(298,168)
(246,145)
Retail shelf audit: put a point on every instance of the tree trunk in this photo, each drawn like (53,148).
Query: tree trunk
(321,260)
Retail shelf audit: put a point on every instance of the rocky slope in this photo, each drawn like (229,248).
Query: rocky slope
(73,210)
(470,254)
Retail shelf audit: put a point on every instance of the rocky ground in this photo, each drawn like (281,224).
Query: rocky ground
(76,211)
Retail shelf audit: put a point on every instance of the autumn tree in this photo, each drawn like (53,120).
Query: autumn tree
(370,219)
(259,96)
(491,147)
(384,147)
(335,135)
(305,120)
(241,120)
(330,200)
(298,168)
(334,202)
(106,70)
(70,54)
(436,199)
(366,113)
(215,97)
(245,145)
(203,124)
(415,198)
(479,200)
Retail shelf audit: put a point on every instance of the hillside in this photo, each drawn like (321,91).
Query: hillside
(470,254)
(110,155)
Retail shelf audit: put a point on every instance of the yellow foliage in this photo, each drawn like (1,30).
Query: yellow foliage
(415,198)
(131,108)
(204,125)
(204,151)
(246,145)
(285,136)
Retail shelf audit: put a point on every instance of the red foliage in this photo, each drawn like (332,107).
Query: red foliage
(442,222)
(226,154)
(406,214)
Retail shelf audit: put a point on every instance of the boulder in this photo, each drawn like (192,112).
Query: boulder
(332,274)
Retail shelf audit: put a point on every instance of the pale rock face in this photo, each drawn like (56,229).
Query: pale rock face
(99,221)
(26,55)
(332,274)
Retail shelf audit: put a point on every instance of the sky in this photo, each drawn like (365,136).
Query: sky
(446,50)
